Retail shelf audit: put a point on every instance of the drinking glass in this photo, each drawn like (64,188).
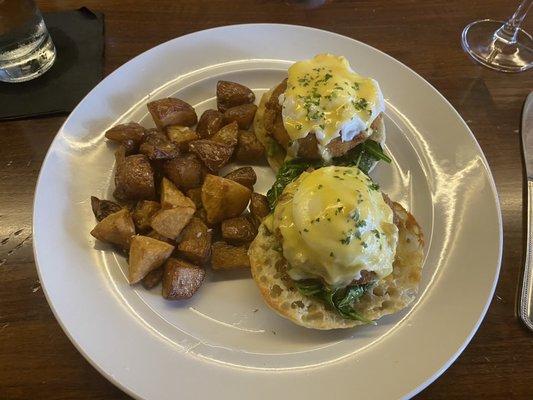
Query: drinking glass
(502,46)
(26,49)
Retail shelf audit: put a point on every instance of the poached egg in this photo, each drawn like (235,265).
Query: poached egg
(335,223)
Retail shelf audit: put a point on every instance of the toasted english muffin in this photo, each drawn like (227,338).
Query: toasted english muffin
(391,294)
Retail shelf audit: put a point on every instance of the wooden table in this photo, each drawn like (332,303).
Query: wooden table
(37,361)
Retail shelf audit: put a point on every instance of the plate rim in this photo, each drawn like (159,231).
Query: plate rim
(119,70)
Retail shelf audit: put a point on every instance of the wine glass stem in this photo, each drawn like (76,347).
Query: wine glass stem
(509,31)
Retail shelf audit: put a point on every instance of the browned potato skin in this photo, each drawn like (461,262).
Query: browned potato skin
(223,198)
(228,134)
(227,257)
(154,235)
(210,123)
(172,111)
(273,118)
(172,197)
(171,221)
(146,254)
(181,279)
(195,244)
(157,146)
(245,176)
(134,179)
(259,206)
(143,213)
(195,195)
(243,115)
(152,278)
(181,136)
(103,208)
(213,154)
(231,94)
(185,171)
(130,135)
(249,149)
(116,228)
(238,230)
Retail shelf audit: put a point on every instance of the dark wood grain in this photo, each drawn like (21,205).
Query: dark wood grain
(37,361)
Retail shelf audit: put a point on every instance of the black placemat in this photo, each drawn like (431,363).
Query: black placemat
(79,40)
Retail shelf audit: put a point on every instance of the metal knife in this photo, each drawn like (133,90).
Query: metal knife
(526,298)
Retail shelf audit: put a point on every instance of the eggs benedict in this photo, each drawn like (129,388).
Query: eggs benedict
(336,252)
(321,111)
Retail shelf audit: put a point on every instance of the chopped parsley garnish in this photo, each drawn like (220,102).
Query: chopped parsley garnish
(373,186)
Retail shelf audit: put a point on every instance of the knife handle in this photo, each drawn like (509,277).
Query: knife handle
(526,298)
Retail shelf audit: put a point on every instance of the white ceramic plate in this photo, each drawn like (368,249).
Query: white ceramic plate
(225,342)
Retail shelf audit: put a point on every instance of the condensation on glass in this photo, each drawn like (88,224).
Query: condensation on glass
(26,49)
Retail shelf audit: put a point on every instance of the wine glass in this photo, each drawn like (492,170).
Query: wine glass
(502,46)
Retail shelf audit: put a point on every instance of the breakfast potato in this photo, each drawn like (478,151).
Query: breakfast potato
(146,254)
(223,198)
(259,206)
(181,279)
(143,212)
(226,257)
(185,171)
(243,115)
(231,94)
(172,111)
(245,176)
(130,135)
(202,214)
(171,221)
(134,178)
(249,149)
(172,197)
(195,244)
(238,230)
(116,228)
(228,134)
(195,195)
(210,123)
(154,235)
(103,208)
(181,136)
(157,146)
(152,278)
(213,154)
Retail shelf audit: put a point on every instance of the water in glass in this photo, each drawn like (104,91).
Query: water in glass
(26,49)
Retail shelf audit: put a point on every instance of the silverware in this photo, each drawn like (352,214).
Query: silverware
(526,298)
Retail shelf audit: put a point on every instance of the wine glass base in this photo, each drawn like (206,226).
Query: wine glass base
(479,40)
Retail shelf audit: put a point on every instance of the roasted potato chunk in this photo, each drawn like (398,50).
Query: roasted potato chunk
(130,135)
(171,221)
(143,213)
(181,279)
(210,123)
(116,228)
(195,244)
(134,179)
(146,254)
(195,195)
(245,176)
(238,230)
(181,136)
(223,198)
(249,149)
(172,111)
(103,208)
(154,235)
(227,134)
(171,196)
(243,115)
(152,278)
(259,206)
(231,94)
(225,256)
(185,171)
(213,154)
(157,146)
